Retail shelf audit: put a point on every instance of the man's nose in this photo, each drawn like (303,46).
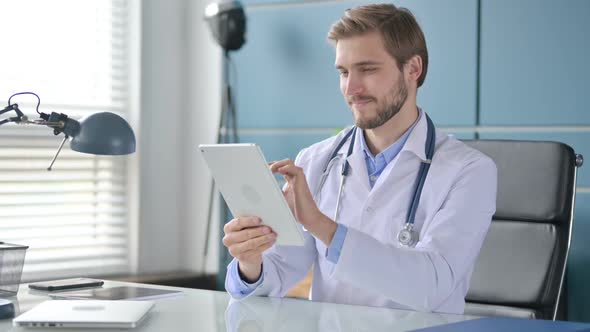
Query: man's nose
(353,86)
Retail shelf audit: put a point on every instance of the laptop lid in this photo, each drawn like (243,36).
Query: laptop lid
(85,314)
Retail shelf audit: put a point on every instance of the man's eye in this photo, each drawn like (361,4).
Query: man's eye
(369,69)
(344,73)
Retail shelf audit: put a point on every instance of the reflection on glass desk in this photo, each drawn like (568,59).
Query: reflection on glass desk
(273,314)
(202,310)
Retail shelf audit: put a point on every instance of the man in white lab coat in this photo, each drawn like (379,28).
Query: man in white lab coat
(358,258)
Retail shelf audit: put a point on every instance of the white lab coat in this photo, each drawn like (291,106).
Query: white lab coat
(454,214)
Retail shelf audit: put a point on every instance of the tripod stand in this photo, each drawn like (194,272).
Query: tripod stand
(227,132)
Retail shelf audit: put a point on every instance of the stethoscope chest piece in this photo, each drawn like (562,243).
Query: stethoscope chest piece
(408,237)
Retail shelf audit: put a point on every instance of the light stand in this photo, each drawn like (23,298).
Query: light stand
(227,21)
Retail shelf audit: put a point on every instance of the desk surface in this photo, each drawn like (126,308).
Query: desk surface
(202,310)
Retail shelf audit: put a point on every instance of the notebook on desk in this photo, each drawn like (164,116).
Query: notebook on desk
(85,314)
(117,293)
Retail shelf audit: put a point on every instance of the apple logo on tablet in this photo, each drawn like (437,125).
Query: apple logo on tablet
(251,194)
(89,307)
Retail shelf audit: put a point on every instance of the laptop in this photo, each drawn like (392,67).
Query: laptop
(85,314)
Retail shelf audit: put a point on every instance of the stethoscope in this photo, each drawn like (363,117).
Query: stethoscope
(407,236)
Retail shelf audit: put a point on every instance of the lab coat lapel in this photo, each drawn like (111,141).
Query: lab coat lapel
(358,166)
(416,142)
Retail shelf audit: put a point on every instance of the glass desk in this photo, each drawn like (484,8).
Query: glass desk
(203,310)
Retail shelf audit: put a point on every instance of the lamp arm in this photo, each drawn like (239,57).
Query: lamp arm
(20,117)
(101,133)
(58,121)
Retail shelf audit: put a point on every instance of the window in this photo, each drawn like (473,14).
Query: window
(75,56)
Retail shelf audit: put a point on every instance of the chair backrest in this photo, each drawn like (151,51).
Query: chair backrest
(521,267)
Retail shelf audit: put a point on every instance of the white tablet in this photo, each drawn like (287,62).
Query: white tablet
(250,189)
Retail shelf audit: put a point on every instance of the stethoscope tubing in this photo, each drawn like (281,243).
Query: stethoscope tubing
(420,180)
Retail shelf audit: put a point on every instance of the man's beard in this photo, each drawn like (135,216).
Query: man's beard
(392,104)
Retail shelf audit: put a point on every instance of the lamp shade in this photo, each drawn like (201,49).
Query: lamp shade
(104,133)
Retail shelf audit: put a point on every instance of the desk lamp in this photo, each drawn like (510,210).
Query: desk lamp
(102,133)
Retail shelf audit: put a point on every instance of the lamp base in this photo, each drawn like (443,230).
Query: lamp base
(6,309)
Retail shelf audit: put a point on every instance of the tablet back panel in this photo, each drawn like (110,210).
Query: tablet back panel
(249,188)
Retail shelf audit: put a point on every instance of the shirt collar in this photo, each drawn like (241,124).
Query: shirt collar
(394,148)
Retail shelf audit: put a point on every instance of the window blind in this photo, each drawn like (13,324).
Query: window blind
(74,55)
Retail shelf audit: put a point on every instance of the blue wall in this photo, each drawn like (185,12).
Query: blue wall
(499,68)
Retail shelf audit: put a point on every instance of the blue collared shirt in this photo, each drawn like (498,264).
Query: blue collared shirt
(236,285)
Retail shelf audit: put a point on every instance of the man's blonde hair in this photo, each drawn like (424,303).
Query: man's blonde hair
(401,33)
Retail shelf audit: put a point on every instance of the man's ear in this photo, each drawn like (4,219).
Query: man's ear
(413,68)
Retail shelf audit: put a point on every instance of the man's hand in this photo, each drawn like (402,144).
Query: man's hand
(301,201)
(246,239)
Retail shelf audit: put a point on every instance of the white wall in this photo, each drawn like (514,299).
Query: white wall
(180,100)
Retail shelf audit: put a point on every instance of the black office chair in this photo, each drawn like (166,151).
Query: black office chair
(521,268)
